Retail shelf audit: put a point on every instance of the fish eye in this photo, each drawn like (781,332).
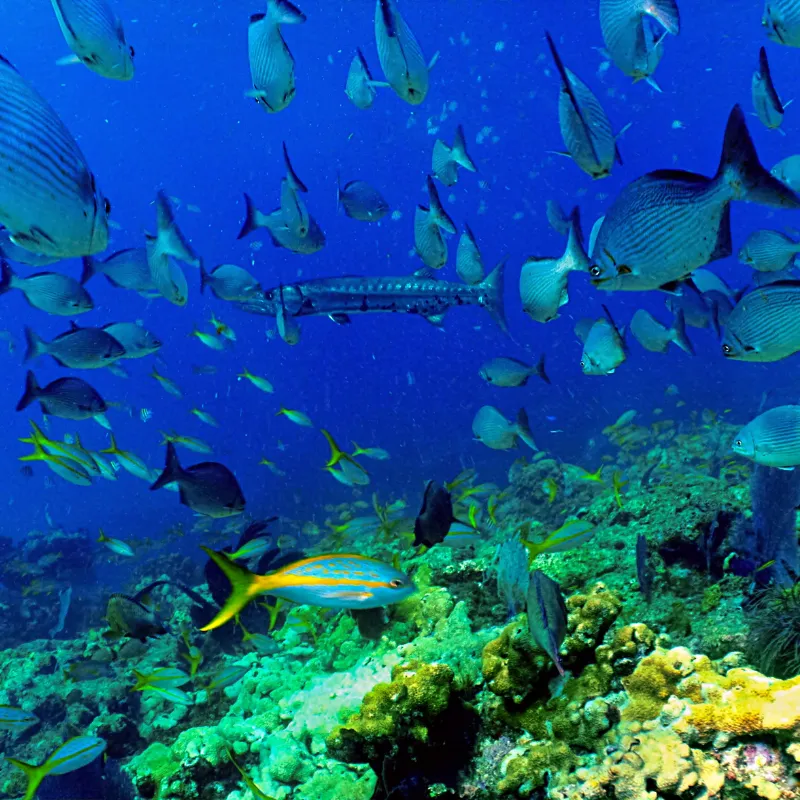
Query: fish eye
(107,205)
(737,443)
(727,349)
(133,52)
(396,583)
(583,364)
(594,271)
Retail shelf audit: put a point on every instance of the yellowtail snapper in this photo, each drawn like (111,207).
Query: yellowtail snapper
(50,204)
(570,535)
(435,517)
(15,719)
(115,545)
(95,35)
(341,580)
(208,488)
(668,223)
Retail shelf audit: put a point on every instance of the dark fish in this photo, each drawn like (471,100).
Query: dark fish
(77,348)
(94,34)
(129,618)
(765,324)
(469,261)
(585,127)
(766,102)
(644,573)
(668,223)
(229,282)
(400,55)
(629,36)
(271,61)
(359,87)
(688,299)
(435,517)
(88,669)
(418,294)
(547,615)
(48,291)
(125,269)
(68,398)
(49,200)
(446,160)
(361,201)
(655,337)
(782,21)
(26,471)
(208,488)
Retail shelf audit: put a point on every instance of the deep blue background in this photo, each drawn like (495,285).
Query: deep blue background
(184,124)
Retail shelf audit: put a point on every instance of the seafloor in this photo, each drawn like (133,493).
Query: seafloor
(681,670)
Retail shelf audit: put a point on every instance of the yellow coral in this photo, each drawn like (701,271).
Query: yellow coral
(653,681)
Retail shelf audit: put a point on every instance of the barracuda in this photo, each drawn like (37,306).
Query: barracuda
(419,293)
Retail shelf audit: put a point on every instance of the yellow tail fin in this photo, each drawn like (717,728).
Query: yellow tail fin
(34,774)
(337,454)
(245,585)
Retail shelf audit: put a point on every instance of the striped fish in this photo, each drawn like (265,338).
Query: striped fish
(769,251)
(294,210)
(446,160)
(585,127)
(400,55)
(428,240)
(492,429)
(668,223)
(772,438)
(51,292)
(339,580)
(543,281)
(782,21)
(469,262)
(271,61)
(786,171)
(359,87)
(766,102)
(49,200)
(628,33)
(764,325)
(94,34)
(125,269)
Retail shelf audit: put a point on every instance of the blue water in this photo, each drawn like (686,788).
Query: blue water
(184,125)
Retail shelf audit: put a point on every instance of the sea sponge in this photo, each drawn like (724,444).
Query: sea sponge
(513,666)
(653,681)
(526,771)
(590,617)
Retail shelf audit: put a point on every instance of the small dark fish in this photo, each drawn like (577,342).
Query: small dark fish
(361,201)
(435,517)
(271,61)
(129,618)
(782,21)
(125,269)
(208,488)
(766,102)
(446,160)
(558,220)
(88,670)
(359,87)
(26,471)
(68,398)
(687,298)
(77,348)
(644,573)
(786,171)
(668,223)
(547,615)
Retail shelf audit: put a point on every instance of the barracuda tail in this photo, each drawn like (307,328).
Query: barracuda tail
(740,168)
(492,299)
(245,585)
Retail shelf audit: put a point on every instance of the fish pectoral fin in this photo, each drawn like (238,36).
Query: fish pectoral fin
(437,320)
(653,85)
(340,319)
(434,59)
(67,60)
(559,153)
(379,84)
(786,469)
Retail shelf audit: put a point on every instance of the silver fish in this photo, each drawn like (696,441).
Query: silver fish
(399,53)
(294,211)
(359,87)
(48,291)
(769,251)
(491,428)
(782,275)
(544,281)
(766,102)
(136,339)
(78,348)
(68,398)
(782,21)
(429,243)
(509,372)
(229,282)
(271,61)
(446,160)
(469,262)
(361,201)
(279,231)
(13,252)
(585,127)
(547,615)
(603,348)
(764,325)
(95,35)
(418,294)
(126,269)
(629,36)
(786,171)
(668,223)
(655,337)
(707,281)
(772,438)
(49,204)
